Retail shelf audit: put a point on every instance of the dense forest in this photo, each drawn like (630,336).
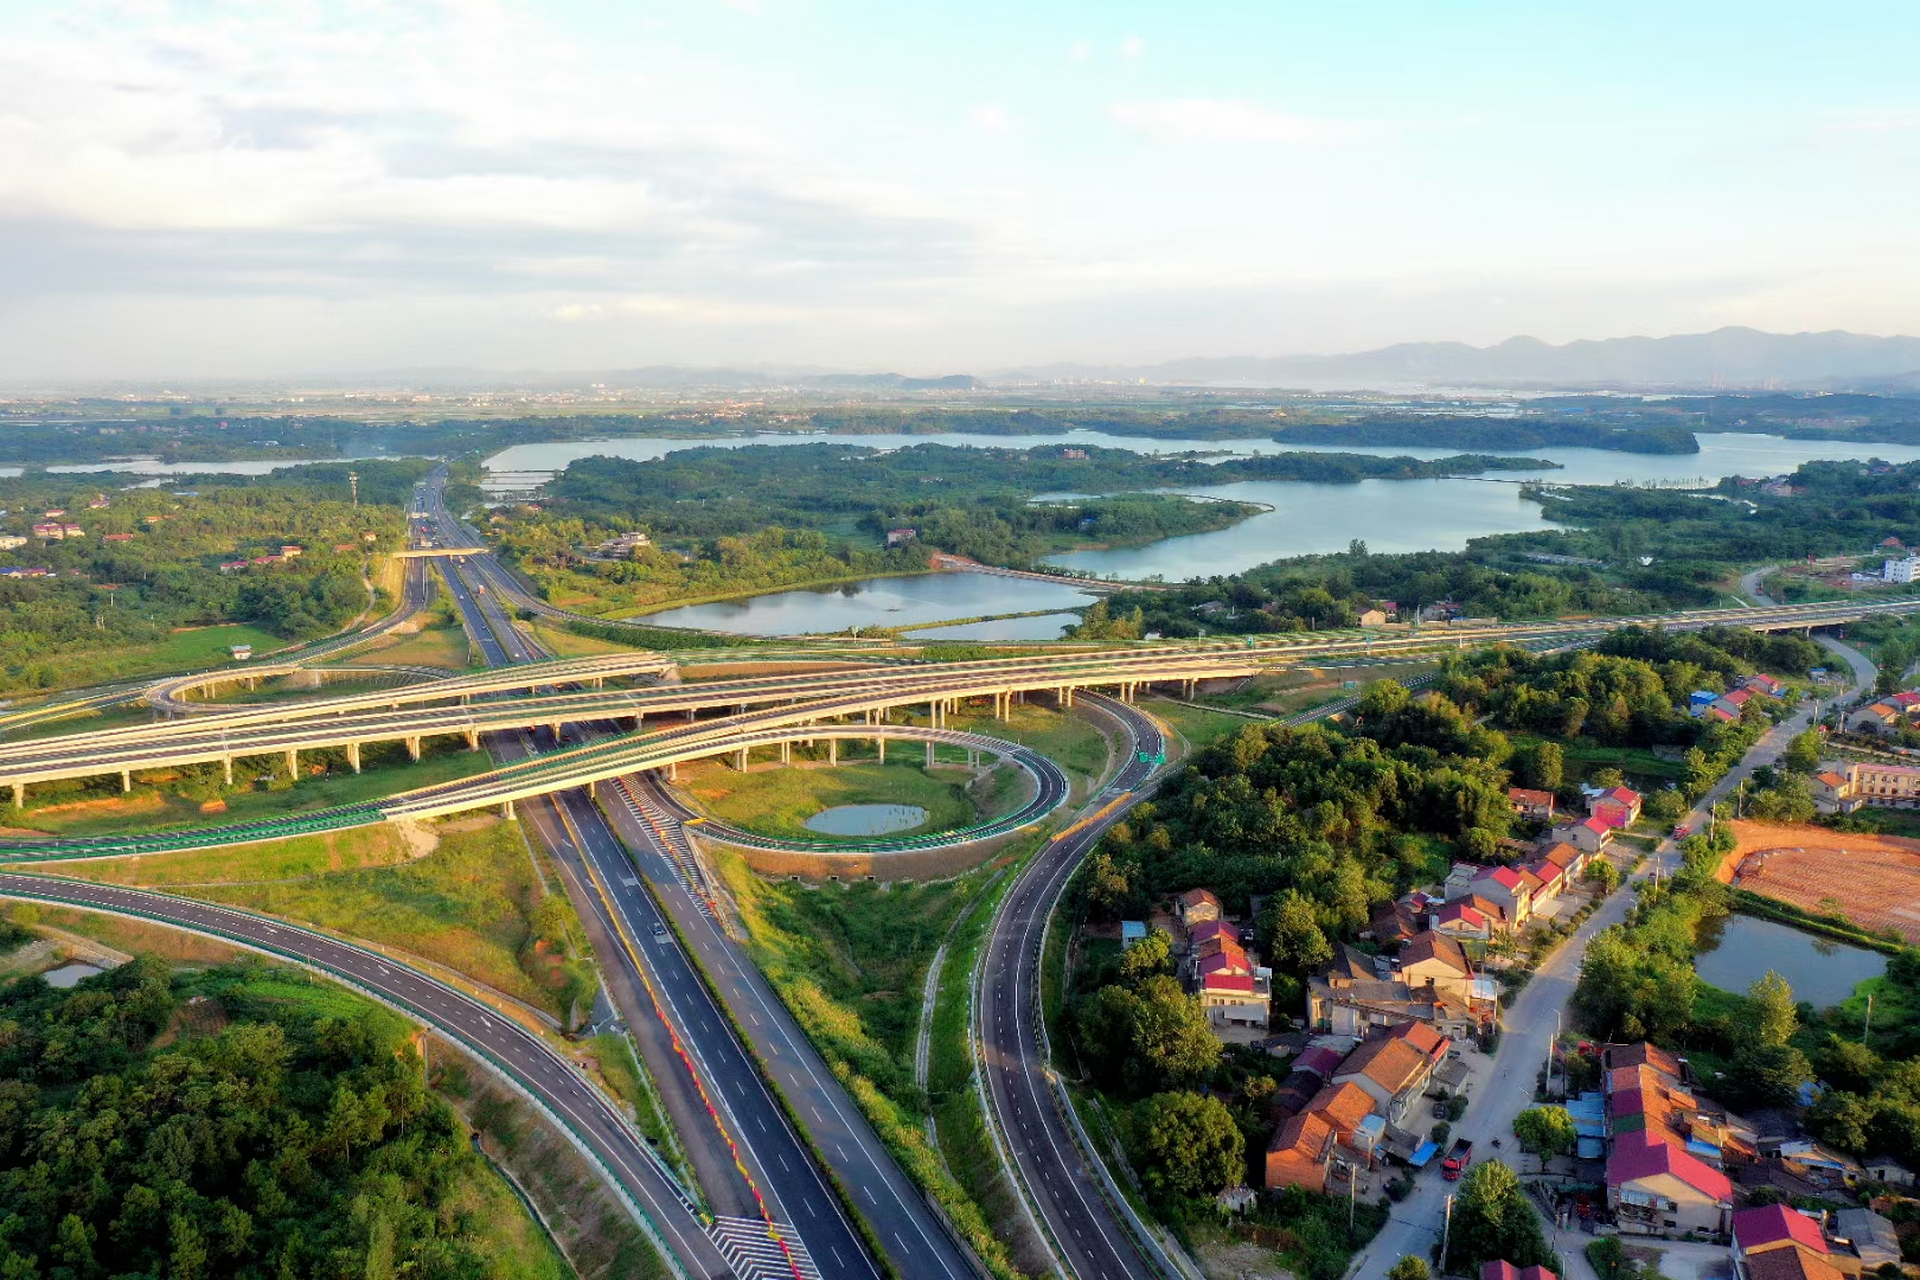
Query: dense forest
(203,1126)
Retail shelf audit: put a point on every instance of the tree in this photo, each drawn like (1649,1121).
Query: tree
(1803,753)
(1608,778)
(1409,1268)
(1291,935)
(1545,766)
(1151,955)
(1603,875)
(1185,1146)
(1172,1041)
(1493,1220)
(1775,1016)
(1767,1075)
(1545,1132)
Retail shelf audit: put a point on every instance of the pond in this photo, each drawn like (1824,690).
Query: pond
(867,819)
(1740,949)
(884,602)
(68,976)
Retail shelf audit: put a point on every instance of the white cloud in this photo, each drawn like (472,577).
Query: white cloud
(1080,50)
(1133,48)
(989,118)
(1226,121)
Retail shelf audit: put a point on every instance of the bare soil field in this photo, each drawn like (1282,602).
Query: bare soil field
(1873,879)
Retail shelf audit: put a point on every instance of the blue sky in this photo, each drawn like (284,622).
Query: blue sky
(322,186)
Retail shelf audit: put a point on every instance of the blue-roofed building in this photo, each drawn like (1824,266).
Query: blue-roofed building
(1132,931)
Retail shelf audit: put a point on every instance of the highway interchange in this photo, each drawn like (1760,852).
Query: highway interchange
(711,1032)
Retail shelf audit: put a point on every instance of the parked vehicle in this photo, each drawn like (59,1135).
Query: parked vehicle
(1457,1160)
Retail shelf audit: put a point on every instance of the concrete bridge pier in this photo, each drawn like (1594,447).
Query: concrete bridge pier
(19,795)
(786,753)
(1188,687)
(413,749)
(473,739)
(126,780)
(880,745)
(227,762)
(673,772)
(929,755)
(353,755)
(506,810)
(833,751)
(740,760)
(293,762)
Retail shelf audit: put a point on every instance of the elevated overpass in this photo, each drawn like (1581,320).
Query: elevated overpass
(172,695)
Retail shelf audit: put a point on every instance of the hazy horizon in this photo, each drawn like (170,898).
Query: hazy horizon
(210,190)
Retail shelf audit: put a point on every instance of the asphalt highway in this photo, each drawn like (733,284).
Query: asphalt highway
(553,1082)
(751,1162)
(1086,1228)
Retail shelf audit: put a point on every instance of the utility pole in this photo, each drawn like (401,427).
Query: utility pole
(1446,1235)
(1867,1030)
(353,483)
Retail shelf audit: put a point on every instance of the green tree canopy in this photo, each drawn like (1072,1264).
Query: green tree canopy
(1493,1220)
(1545,1132)
(1185,1146)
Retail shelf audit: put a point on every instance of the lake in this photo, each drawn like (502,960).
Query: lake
(867,819)
(1822,972)
(886,602)
(1308,519)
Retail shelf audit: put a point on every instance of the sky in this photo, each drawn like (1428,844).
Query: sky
(195,188)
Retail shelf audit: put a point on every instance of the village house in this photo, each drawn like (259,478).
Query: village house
(1300,1153)
(1472,917)
(1776,1241)
(1619,807)
(1846,786)
(1436,962)
(1390,1071)
(1349,998)
(1590,835)
(1196,906)
(1503,1270)
(1656,1188)
(1510,889)
(1534,806)
(1373,618)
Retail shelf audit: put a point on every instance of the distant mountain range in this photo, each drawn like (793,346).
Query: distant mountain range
(1733,358)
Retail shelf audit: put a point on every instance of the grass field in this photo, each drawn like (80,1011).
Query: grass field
(431,647)
(1067,740)
(850,961)
(778,802)
(472,904)
(179,798)
(1198,727)
(562,643)
(302,857)
(181,651)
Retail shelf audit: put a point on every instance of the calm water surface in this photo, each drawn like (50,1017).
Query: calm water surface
(867,819)
(1388,515)
(881,602)
(1821,972)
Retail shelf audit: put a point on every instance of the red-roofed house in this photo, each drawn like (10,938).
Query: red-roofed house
(1655,1188)
(1197,906)
(1589,837)
(1431,1044)
(1222,955)
(1775,1226)
(1508,889)
(1764,683)
(1207,930)
(1507,1271)
(1536,806)
(1619,807)
(1474,918)
(1236,999)
(1791,1264)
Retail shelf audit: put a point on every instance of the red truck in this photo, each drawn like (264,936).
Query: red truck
(1457,1160)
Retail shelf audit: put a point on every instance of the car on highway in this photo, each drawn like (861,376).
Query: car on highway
(659,932)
